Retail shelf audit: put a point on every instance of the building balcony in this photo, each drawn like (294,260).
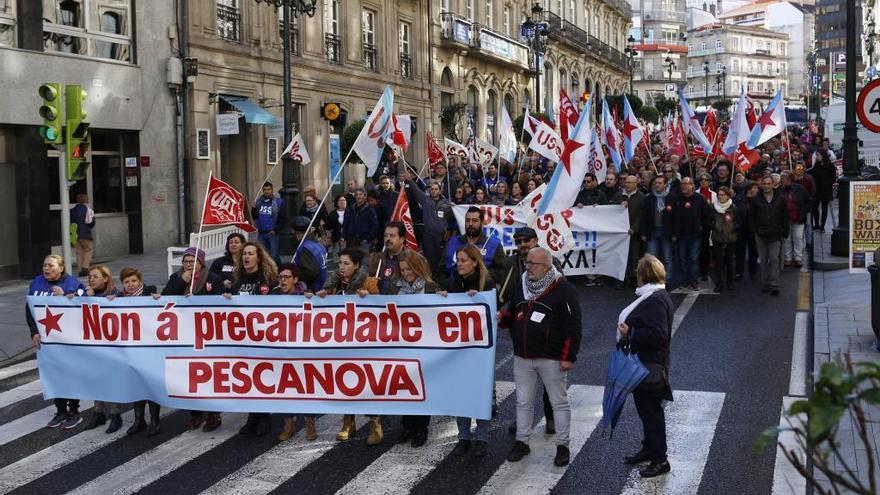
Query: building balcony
(569,34)
(657,15)
(706,52)
(228,23)
(482,42)
(331,47)
(294,36)
(369,57)
(406,66)
(657,75)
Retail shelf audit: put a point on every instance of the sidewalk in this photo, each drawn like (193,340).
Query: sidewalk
(841,306)
(14,335)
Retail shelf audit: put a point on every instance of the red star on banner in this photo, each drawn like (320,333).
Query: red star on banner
(50,322)
(570,147)
(533,126)
(766,119)
(628,128)
(609,139)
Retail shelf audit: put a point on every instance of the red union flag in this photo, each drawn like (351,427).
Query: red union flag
(224,206)
(435,152)
(297,150)
(401,214)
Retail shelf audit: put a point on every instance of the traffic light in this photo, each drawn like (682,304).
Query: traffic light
(78,144)
(50,111)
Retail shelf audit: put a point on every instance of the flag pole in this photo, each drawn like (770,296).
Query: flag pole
(788,140)
(522,131)
(192,282)
(324,199)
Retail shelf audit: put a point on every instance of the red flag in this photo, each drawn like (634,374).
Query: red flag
(398,136)
(677,145)
(568,115)
(743,158)
(751,117)
(435,152)
(224,206)
(401,214)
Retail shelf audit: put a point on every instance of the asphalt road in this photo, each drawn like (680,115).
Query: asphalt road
(729,369)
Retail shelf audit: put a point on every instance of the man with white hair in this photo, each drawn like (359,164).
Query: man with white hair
(544,319)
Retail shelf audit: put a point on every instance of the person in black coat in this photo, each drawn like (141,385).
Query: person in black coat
(769,220)
(225,265)
(824,173)
(646,325)
(691,219)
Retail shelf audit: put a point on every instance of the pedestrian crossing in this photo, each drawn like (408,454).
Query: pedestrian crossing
(691,424)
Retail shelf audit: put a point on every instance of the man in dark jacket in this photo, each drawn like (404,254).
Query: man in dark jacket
(545,325)
(797,204)
(692,216)
(436,211)
(769,220)
(83,217)
(590,194)
(311,256)
(268,212)
(657,225)
(361,223)
(634,202)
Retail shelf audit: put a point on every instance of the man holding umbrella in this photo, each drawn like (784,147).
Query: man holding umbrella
(544,318)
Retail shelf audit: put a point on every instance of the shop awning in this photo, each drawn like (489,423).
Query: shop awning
(253,113)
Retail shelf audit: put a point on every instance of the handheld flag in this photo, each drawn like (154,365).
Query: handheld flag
(455,149)
(691,123)
(568,114)
(402,134)
(737,137)
(610,135)
(506,138)
(402,214)
(435,152)
(771,123)
(297,150)
(224,206)
(632,131)
(544,139)
(596,164)
(569,174)
(378,129)
(486,153)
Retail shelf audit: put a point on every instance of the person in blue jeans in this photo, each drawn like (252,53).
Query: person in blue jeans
(268,212)
(691,217)
(657,225)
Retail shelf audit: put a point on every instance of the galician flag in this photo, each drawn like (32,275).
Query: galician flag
(771,123)
(596,164)
(610,136)
(376,132)
(569,174)
(691,123)
(735,146)
(506,138)
(632,131)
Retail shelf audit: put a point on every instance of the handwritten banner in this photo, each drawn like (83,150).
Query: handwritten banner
(341,354)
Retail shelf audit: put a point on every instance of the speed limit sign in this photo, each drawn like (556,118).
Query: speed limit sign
(868,106)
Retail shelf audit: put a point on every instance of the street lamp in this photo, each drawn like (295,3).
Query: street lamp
(290,170)
(706,71)
(631,53)
(535,32)
(670,65)
(812,58)
(719,81)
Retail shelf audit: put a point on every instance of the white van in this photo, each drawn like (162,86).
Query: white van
(835,116)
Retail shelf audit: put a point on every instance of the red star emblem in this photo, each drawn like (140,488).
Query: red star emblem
(609,139)
(570,147)
(766,119)
(533,126)
(628,128)
(50,322)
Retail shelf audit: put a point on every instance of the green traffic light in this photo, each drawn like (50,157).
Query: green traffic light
(50,134)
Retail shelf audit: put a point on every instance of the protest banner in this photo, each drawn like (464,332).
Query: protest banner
(864,227)
(601,234)
(340,354)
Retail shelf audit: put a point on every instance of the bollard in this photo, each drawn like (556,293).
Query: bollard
(874,271)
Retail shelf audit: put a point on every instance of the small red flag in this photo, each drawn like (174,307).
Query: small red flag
(568,114)
(224,206)
(402,214)
(435,152)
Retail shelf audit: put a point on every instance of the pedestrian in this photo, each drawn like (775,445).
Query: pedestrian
(361,223)
(726,220)
(335,223)
(386,266)
(516,194)
(255,274)
(470,276)
(658,224)
(415,278)
(746,249)
(133,286)
(501,196)
(313,210)
(310,257)
(436,211)
(590,195)
(690,221)
(809,184)
(634,201)
(769,219)
(269,215)
(797,204)
(611,186)
(544,319)
(194,279)
(647,324)
(225,265)
(824,174)
(83,217)
(100,284)
(352,278)
(54,282)
(290,285)
(489,246)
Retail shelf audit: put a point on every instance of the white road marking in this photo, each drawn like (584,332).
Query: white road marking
(535,473)
(683,310)
(17,369)
(61,454)
(786,479)
(690,427)
(504,361)
(269,470)
(403,467)
(165,458)
(20,393)
(32,422)
(797,379)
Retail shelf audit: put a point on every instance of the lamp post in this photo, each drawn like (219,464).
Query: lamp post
(706,71)
(840,235)
(631,53)
(720,80)
(535,32)
(670,66)
(290,171)
(812,58)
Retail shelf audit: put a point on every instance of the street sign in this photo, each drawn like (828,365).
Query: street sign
(871,72)
(868,106)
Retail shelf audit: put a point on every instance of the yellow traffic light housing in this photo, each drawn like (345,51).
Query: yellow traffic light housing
(50,111)
(77,133)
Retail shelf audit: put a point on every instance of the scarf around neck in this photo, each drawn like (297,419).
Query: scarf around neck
(534,288)
(643,292)
(406,288)
(722,207)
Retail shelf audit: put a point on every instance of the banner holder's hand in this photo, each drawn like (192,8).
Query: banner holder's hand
(566,365)
(36,341)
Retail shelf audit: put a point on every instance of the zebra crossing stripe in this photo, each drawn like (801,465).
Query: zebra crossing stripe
(20,393)
(786,479)
(268,471)
(59,455)
(17,369)
(402,467)
(165,458)
(690,427)
(32,422)
(535,473)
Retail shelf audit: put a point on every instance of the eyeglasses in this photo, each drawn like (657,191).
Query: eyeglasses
(285,277)
(188,262)
(534,263)
(521,240)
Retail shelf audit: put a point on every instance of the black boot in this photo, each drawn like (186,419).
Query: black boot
(250,427)
(264,424)
(115,423)
(138,426)
(655,469)
(154,427)
(95,421)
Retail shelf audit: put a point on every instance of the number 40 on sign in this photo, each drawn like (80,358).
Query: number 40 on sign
(868,106)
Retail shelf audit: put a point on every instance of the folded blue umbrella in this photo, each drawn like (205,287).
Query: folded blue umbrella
(625,372)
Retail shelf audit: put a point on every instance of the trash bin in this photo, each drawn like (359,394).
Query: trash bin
(874,271)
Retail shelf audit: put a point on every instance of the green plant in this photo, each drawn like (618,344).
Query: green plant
(665,105)
(452,119)
(349,136)
(649,114)
(722,105)
(815,422)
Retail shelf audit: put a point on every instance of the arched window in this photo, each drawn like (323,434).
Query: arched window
(575,86)
(548,85)
(563,82)
(508,104)
(491,103)
(527,99)
(472,106)
(446,78)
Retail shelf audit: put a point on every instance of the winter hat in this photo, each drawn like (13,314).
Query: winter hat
(195,252)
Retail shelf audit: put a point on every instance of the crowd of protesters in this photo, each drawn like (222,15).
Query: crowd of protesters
(701,217)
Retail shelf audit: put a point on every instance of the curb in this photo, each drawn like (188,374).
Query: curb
(831,265)
(19,358)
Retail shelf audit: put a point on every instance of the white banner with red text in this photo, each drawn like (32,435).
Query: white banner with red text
(424,354)
(601,234)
